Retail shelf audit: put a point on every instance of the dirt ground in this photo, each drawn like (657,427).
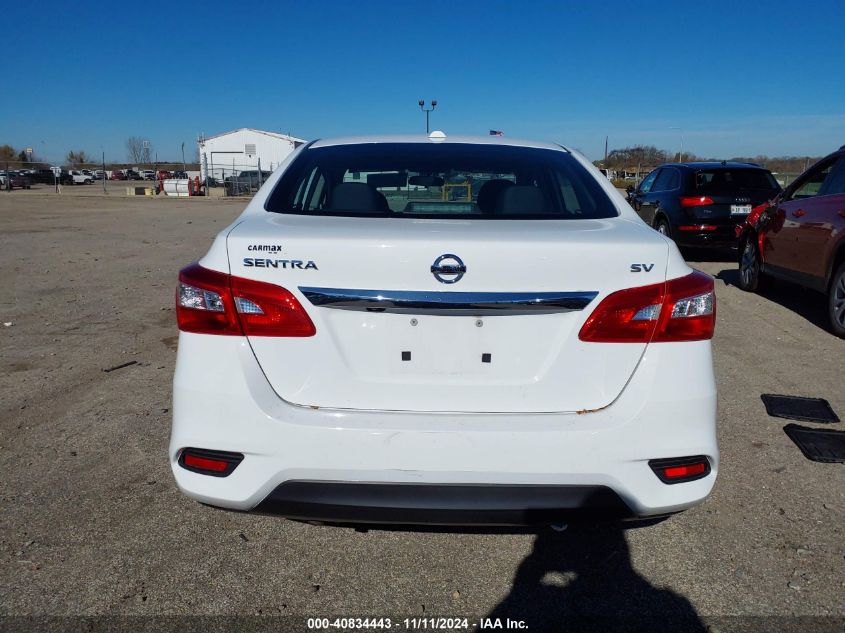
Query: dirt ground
(91,523)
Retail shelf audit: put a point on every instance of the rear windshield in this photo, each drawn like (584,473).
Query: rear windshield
(449,180)
(728,180)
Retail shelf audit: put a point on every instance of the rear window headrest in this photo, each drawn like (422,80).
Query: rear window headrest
(521,200)
(489,194)
(358,197)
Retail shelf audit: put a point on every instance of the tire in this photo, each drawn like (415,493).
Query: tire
(836,301)
(662,227)
(750,265)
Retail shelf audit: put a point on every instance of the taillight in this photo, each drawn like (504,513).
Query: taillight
(681,309)
(204,302)
(210,302)
(695,201)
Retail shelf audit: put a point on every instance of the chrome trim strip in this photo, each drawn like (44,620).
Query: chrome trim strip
(451,303)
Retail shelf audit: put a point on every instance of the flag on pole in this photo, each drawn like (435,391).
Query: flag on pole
(496,133)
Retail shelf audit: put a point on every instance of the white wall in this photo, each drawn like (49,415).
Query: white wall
(221,152)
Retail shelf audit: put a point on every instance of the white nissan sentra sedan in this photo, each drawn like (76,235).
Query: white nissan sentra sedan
(443,330)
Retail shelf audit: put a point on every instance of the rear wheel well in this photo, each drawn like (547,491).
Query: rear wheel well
(749,234)
(660,215)
(838,260)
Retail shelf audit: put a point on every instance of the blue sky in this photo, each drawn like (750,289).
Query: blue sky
(738,78)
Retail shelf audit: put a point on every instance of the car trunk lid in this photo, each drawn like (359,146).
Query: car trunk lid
(498,335)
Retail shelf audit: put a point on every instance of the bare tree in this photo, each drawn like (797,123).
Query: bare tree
(78,157)
(138,151)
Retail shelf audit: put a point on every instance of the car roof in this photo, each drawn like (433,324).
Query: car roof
(713,164)
(422,138)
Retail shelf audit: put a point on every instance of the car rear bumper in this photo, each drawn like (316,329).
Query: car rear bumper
(442,504)
(452,468)
(724,236)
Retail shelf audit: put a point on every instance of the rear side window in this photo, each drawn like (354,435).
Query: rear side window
(835,181)
(668,180)
(811,183)
(448,180)
(733,180)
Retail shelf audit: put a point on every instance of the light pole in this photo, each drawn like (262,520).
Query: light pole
(681,132)
(184,167)
(427,110)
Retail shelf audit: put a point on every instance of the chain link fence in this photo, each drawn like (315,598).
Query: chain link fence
(235,176)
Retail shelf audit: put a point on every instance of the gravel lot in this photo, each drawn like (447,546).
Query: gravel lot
(91,522)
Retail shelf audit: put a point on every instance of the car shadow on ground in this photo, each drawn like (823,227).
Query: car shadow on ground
(807,303)
(583,580)
(579,580)
(692,255)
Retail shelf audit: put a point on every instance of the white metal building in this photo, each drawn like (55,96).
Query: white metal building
(244,149)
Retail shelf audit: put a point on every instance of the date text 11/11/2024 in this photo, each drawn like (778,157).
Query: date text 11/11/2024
(417,624)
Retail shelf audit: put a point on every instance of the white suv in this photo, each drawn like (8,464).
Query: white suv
(447,331)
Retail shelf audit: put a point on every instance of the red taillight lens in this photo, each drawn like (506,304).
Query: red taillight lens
(204,302)
(677,470)
(210,302)
(689,309)
(627,316)
(207,462)
(269,310)
(204,463)
(695,201)
(681,309)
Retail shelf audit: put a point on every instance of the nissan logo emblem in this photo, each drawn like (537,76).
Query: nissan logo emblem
(448,269)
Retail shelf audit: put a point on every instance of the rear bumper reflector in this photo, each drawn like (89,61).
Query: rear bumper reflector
(453,303)
(697,227)
(677,470)
(208,462)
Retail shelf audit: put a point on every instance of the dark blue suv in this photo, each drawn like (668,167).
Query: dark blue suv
(700,204)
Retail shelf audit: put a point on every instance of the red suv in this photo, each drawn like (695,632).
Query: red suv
(799,236)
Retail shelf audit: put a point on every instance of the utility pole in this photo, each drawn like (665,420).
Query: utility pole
(421,103)
(184,167)
(681,153)
(605,152)
(104,172)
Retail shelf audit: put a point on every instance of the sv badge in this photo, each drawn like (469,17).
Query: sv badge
(641,268)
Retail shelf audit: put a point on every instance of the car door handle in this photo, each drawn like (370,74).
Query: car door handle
(799,213)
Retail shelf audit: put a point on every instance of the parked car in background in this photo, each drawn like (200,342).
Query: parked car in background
(117,174)
(20,181)
(394,356)
(98,174)
(148,174)
(245,182)
(799,237)
(76,177)
(701,203)
(180,174)
(163,174)
(131,174)
(44,176)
